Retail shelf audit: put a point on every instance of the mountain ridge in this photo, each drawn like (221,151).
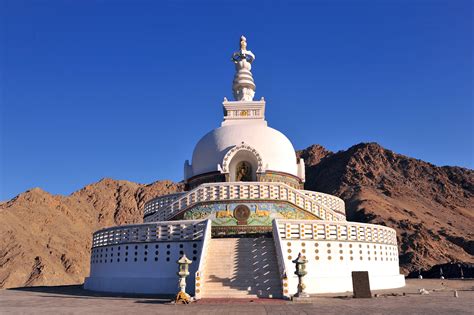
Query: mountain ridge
(45,239)
(429,206)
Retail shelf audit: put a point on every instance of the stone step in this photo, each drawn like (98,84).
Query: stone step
(230,294)
(219,277)
(243,289)
(241,267)
(261,273)
(227,277)
(257,270)
(240,285)
(256,277)
(272,290)
(235,268)
(226,280)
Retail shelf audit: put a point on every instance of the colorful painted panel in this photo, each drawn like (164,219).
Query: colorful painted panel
(258,214)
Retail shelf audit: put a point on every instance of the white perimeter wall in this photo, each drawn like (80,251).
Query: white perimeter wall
(141,258)
(142,268)
(330,264)
(333,251)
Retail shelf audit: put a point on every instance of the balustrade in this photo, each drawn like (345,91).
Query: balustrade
(336,231)
(190,230)
(230,191)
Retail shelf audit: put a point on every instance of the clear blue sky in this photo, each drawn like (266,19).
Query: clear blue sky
(124,89)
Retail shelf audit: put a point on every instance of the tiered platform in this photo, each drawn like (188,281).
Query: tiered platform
(142,258)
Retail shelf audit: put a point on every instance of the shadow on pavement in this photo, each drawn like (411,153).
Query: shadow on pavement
(154,301)
(79,291)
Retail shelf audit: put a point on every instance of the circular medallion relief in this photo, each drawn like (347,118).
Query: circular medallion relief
(242,213)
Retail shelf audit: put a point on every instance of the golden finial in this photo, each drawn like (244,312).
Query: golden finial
(243,43)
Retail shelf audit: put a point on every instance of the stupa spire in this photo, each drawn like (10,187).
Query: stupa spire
(243,87)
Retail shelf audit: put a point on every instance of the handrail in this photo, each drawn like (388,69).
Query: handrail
(155,204)
(333,202)
(276,237)
(246,191)
(205,244)
(278,252)
(199,275)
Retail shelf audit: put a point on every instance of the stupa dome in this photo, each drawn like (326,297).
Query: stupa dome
(244,147)
(271,146)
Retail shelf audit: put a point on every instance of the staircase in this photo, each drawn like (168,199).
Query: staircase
(241,268)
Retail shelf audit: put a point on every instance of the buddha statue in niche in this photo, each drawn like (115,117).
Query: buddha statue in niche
(243,172)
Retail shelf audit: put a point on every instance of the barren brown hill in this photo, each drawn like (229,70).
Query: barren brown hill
(46,239)
(432,208)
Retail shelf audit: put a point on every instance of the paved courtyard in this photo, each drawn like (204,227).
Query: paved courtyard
(75,300)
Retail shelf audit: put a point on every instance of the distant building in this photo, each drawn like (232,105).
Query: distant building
(242,220)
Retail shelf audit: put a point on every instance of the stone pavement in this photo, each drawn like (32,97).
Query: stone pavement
(75,300)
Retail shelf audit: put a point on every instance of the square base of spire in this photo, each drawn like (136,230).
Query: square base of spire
(236,112)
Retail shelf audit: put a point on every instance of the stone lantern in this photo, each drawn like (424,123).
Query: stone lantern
(300,271)
(183,272)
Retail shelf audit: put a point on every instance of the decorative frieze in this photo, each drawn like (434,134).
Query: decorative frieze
(259,213)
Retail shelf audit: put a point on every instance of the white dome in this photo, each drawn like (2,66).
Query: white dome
(275,150)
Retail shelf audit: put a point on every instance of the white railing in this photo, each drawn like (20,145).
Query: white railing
(160,202)
(191,230)
(199,278)
(330,201)
(230,191)
(335,231)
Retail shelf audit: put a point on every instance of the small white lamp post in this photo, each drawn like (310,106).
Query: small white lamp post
(183,272)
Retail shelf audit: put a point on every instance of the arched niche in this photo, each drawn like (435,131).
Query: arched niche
(242,163)
(243,167)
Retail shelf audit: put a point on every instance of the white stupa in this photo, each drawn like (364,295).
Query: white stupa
(243,218)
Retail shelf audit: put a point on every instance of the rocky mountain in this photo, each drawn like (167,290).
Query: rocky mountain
(432,208)
(45,239)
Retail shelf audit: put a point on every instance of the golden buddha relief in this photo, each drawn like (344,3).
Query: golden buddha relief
(243,172)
